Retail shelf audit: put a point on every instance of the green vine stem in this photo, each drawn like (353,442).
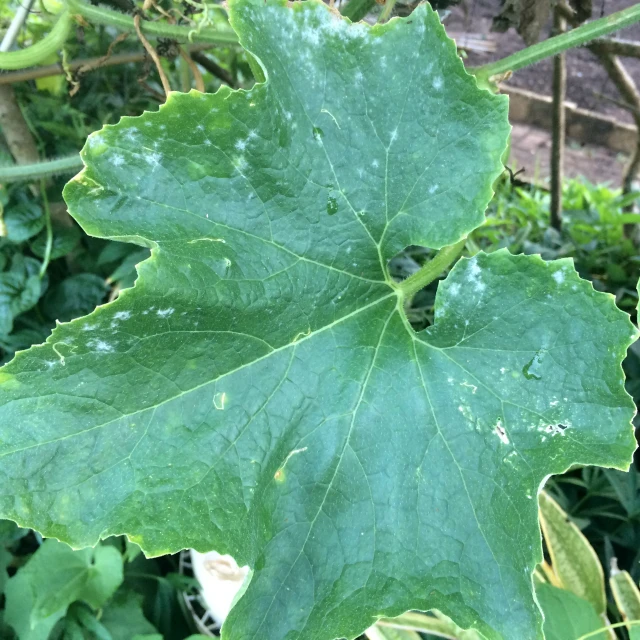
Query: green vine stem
(553,46)
(47,220)
(97,14)
(29,172)
(41,50)
(430,271)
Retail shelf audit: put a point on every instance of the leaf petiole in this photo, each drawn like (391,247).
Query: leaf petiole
(47,219)
(432,269)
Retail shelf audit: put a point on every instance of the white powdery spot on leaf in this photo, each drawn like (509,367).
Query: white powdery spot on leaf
(241,145)
(131,135)
(165,313)
(94,140)
(312,36)
(558,276)
(473,276)
(454,289)
(101,346)
(122,315)
(153,158)
(437,83)
(117,160)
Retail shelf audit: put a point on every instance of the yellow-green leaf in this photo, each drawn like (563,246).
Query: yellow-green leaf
(390,633)
(627,596)
(437,624)
(574,561)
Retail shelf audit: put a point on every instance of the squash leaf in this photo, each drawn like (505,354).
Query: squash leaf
(260,392)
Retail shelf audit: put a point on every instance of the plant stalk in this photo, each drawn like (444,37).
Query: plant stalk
(430,271)
(558,126)
(553,46)
(101,15)
(617,47)
(84,65)
(28,172)
(47,219)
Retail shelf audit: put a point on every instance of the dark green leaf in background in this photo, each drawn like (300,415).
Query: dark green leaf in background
(65,240)
(23,220)
(73,297)
(20,290)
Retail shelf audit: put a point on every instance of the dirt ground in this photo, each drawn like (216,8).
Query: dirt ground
(531,151)
(587,82)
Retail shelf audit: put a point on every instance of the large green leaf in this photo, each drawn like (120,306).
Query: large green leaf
(260,391)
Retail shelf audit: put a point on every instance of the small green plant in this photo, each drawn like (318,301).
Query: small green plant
(110,592)
(261,391)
